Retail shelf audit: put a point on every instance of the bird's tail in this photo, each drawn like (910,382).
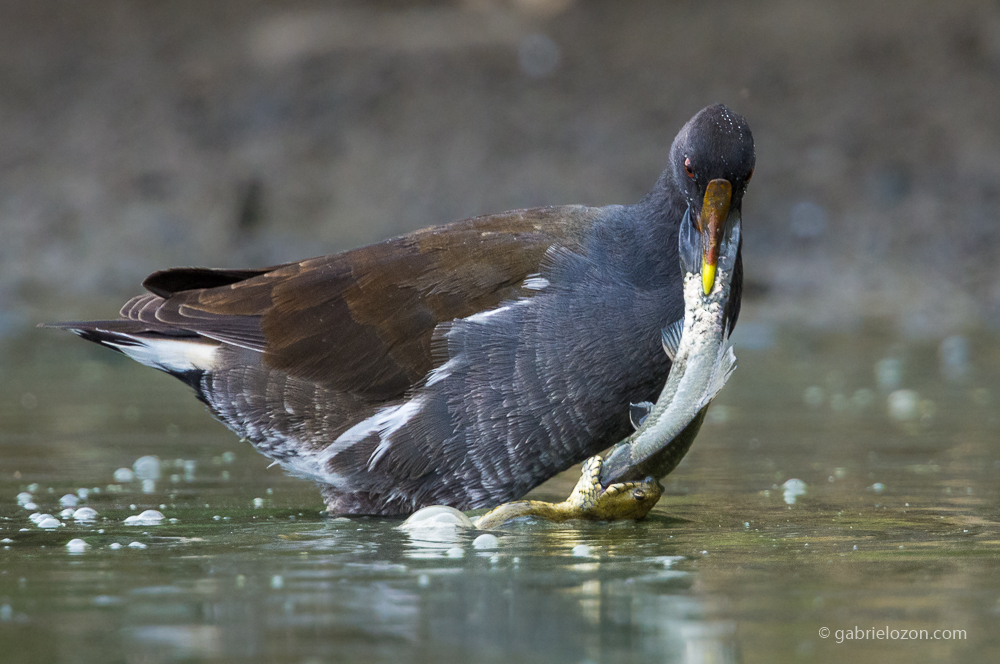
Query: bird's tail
(176,352)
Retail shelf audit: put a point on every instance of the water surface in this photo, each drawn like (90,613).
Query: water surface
(896,444)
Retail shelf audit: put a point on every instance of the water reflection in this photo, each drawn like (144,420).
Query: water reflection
(345,590)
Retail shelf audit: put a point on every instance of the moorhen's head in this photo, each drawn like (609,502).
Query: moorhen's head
(711,162)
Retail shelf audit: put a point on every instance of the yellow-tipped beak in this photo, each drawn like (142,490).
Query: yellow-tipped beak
(707,277)
(712,224)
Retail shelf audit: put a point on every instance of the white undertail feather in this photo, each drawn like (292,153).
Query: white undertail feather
(173,355)
(176,356)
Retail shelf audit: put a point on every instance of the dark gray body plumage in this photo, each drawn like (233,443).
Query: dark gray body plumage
(526,392)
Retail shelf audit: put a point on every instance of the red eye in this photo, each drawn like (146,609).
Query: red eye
(749,175)
(688,168)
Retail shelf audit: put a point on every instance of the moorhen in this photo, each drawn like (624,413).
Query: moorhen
(462,364)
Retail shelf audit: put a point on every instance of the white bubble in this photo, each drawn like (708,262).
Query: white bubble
(66,513)
(878,487)
(813,396)
(149,486)
(485,541)
(69,500)
(77,546)
(49,522)
(581,551)
(23,497)
(277,581)
(115,546)
(30,506)
(904,405)
(718,414)
(124,475)
(258,502)
(85,514)
(147,468)
(455,552)
(436,523)
(146,518)
(83,493)
(36,517)
(435,515)
(792,489)
(137,545)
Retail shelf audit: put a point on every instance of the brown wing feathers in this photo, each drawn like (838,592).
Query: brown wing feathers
(361,321)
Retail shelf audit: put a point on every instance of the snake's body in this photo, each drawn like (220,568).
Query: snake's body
(703,360)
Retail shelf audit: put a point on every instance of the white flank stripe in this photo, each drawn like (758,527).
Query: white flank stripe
(442,372)
(171,355)
(536,282)
(483,316)
(385,422)
(401,415)
(394,423)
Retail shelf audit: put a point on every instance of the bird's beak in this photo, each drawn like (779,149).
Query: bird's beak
(712,224)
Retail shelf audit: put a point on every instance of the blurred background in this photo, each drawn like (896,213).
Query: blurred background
(136,136)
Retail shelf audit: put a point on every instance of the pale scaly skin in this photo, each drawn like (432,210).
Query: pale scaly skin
(589,500)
